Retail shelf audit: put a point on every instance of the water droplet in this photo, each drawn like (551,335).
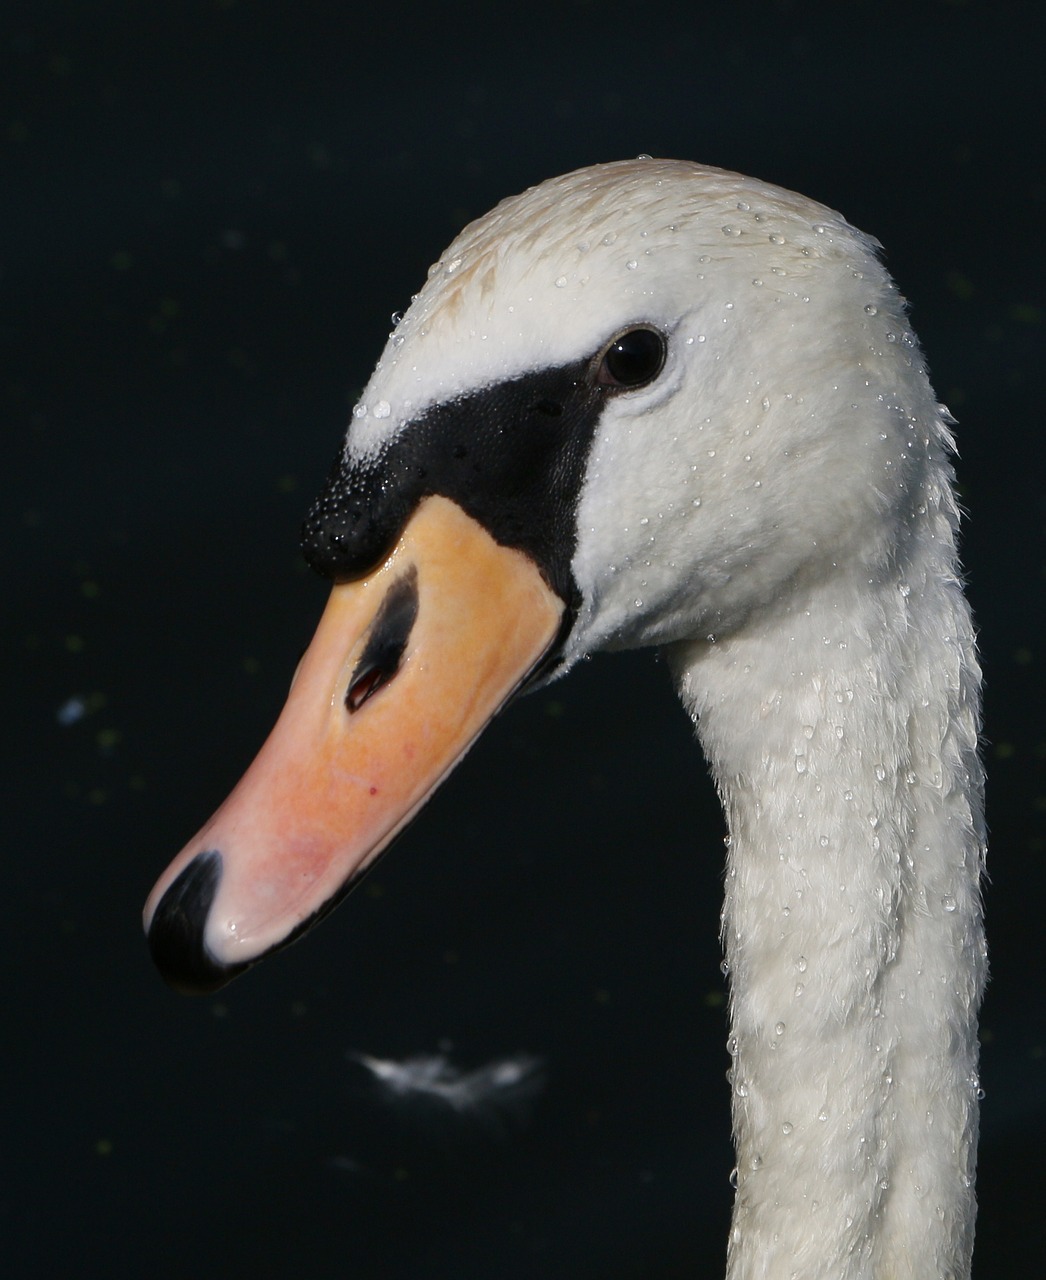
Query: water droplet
(822,1115)
(397,316)
(787,1128)
(800,764)
(758,283)
(776,239)
(948,903)
(643,156)
(779,1029)
(561,282)
(452,266)
(891,337)
(734,1177)
(742,1089)
(870,310)
(808,731)
(696,502)
(801,964)
(631,264)
(799,989)
(731,231)
(880,772)
(382,409)
(360,411)
(824,842)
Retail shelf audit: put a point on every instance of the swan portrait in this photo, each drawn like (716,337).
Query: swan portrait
(652,403)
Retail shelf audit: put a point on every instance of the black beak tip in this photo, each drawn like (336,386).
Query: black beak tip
(176,933)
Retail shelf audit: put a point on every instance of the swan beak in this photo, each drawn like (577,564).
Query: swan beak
(406,668)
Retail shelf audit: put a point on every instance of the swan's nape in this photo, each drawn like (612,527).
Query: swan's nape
(651,403)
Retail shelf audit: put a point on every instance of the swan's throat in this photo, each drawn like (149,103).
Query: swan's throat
(844,746)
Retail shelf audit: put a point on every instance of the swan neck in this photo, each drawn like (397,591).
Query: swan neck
(842,734)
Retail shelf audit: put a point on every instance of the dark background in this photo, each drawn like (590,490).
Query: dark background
(208,212)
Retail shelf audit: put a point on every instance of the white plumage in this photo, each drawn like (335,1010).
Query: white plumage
(767,495)
(776,509)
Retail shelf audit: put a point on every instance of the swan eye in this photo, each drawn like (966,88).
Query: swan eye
(632,359)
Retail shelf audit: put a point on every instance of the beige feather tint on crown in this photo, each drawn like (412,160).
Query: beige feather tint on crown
(372,724)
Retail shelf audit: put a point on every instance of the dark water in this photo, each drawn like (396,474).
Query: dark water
(208,213)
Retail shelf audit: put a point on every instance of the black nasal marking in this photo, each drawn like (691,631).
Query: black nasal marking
(551,408)
(176,933)
(388,638)
(512,455)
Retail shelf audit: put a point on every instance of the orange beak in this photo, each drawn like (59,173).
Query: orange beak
(407,667)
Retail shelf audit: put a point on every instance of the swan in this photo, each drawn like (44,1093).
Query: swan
(655,403)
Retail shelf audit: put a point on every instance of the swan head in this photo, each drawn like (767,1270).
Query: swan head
(788,417)
(651,396)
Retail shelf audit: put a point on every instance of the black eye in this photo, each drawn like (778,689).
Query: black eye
(633,359)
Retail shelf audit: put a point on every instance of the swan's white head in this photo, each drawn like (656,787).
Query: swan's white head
(791,417)
(783,437)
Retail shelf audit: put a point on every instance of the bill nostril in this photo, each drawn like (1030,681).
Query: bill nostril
(386,643)
(365,684)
